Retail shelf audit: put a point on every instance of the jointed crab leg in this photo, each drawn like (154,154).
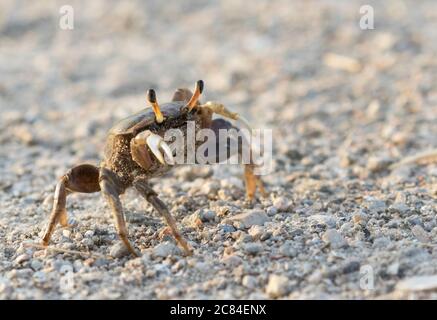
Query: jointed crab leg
(425,157)
(110,189)
(150,195)
(83,178)
(220,109)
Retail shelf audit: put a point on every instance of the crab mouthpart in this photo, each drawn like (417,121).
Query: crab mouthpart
(156,144)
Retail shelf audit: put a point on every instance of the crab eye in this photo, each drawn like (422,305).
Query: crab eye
(151,98)
(195,97)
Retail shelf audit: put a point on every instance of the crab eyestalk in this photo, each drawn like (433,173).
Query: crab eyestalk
(197,92)
(151,98)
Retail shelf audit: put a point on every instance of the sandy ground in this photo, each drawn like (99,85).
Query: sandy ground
(338,223)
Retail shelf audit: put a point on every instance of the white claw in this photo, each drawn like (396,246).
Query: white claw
(165,147)
(155,143)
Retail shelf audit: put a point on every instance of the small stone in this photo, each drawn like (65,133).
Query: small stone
(165,249)
(88,234)
(323,219)
(281,203)
(334,238)
(287,250)
(393,269)
(193,220)
(207,215)
(248,219)
(250,282)
(87,242)
(351,266)
(399,207)
(375,205)
(22,258)
(256,231)
(419,283)
(40,277)
(253,248)
(78,236)
(358,218)
(377,164)
(227,228)
(36,264)
(271,211)
(118,250)
(420,234)
(277,286)
(66,233)
(232,260)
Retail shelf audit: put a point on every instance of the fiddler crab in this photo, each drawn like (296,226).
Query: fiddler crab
(135,152)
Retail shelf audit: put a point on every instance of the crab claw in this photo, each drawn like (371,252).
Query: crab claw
(156,144)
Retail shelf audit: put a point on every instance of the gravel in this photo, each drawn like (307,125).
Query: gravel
(345,104)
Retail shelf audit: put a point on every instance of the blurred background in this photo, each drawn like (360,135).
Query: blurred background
(343,102)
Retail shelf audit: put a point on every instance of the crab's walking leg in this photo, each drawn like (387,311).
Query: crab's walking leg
(151,196)
(83,178)
(111,189)
(220,109)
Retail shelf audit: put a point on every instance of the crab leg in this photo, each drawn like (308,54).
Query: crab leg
(110,187)
(220,109)
(150,195)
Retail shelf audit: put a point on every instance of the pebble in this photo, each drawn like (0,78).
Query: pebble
(250,282)
(118,250)
(227,228)
(287,250)
(36,264)
(66,233)
(334,239)
(377,164)
(322,219)
(193,221)
(418,283)
(232,260)
(375,205)
(40,277)
(256,231)
(253,248)
(281,204)
(399,207)
(420,234)
(248,219)
(89,234)
(165,249)
(207,215)
(351,266)
(277,286)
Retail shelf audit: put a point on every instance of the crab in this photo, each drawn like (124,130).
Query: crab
(136,151)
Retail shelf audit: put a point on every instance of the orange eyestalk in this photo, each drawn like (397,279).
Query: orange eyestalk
(197,92)
(151,98)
